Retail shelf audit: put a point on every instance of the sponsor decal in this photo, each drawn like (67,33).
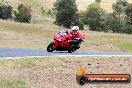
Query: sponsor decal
(83,78)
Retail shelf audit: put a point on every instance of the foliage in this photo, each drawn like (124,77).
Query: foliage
(112,23)
(66,12)
(119,7)
(5,11)
(128,11)
(129,29)
(117,21)
(43,11)
(94,17)
(80,24)
(98,1)
(23,14)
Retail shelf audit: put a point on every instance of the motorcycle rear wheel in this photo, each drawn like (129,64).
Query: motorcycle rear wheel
(50,47)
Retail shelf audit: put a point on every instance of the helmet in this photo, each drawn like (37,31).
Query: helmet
(75,29)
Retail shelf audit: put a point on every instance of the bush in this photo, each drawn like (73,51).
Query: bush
(129,29)
(23,14)
(49,12)
(5,11)
(80,24)
(43,11)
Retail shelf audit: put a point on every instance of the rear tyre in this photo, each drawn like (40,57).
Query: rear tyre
(50,47)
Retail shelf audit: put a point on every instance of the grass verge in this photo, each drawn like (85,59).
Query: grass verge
(126,46)
(12,83)
(60,72)
(20,35)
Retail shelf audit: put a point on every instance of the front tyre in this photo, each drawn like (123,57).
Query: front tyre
(70,50)
(50,47)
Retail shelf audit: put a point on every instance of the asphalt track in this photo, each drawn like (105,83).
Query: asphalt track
(21,52)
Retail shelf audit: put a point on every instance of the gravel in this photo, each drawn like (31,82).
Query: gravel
(62,72)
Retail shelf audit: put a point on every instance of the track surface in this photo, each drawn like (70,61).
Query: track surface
(18,52)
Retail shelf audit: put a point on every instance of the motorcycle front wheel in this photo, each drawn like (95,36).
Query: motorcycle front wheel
(50,47)
(70,50)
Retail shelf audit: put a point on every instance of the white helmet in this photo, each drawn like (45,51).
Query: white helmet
(75,29)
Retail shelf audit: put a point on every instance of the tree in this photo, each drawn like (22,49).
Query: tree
(119,7)
(23,14)
(128,12)
(129,29)
(5,11)
(81,20)
(66,12)
(117,20)
(80,24)
(122,2)
(98,1)
(94,17)
(112,24)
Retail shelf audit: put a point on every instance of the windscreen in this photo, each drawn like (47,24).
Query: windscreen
(62,34)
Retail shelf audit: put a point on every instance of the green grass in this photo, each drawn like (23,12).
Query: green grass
(27,63)
(32,35)
(107,42)
(12,83)
(126,46)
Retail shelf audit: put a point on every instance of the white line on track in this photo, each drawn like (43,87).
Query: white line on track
(66,56)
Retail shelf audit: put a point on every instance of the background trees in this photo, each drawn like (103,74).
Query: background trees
(66,14)
(94,17)
(23,13)
(118,21)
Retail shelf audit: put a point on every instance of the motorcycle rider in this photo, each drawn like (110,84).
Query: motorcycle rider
(74,33)
(67,40)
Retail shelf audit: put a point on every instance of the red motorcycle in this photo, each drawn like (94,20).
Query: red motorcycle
(63,42)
